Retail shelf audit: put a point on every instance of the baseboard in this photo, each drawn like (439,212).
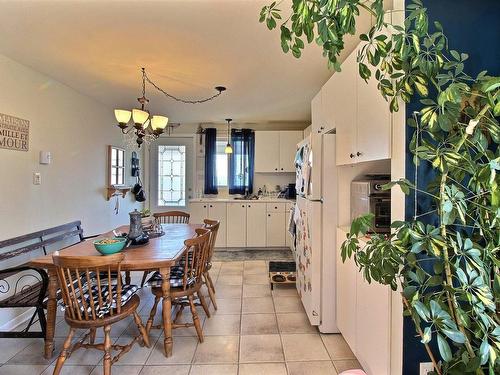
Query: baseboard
(18,320)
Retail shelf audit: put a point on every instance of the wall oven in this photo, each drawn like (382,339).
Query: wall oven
(367,196)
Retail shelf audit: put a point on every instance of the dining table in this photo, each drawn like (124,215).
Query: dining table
(160,253)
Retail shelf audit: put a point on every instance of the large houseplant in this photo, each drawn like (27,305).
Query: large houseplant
(446,267)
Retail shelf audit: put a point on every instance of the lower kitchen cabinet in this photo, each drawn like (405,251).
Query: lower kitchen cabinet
(275,236)
(236,225)
(363,315)
(198,212)
(256,225)
(217,211)
(246,224)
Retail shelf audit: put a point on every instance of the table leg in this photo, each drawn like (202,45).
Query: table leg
(51,313)
(166,311)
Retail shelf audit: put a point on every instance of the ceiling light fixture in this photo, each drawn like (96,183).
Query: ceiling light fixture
(146,127)
(229,148)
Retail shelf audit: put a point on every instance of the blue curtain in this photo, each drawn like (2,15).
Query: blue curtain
(210,161)
(241,162)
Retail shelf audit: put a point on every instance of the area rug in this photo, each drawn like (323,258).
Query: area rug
(251,254)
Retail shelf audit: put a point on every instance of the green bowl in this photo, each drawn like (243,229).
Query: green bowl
(110,248)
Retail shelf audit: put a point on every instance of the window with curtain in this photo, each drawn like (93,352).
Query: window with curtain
(241,162)
(210,161)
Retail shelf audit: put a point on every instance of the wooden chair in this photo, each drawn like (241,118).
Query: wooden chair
(185,282)
(213,226)
(93,298)
(169,217)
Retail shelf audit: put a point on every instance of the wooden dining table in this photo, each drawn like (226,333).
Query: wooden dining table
(159,253)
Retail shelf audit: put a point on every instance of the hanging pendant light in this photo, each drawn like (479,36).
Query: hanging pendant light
(229,148)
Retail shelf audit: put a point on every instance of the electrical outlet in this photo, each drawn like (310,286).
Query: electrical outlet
(426,368)
(37,178)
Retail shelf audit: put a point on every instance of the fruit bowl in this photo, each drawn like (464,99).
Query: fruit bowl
(108,246)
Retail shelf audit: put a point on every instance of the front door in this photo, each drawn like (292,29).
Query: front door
(171,171)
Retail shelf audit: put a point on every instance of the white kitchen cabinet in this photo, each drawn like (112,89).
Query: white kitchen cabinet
(288,149)
(373,325)
(363,315)
(346,294)
(275,236)
(373,134)
(267,155)
(275,151)
(341,92)
(198,212)
(256,225)
(217,211)
(317,113)
(236,224)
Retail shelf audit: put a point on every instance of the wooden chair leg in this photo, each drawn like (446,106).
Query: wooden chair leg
(107,350)
(144,277)
(211,292)
(196,319)
(203,303)
(210,282)
(92,336)
(64,353)
(142,330)
(152,314)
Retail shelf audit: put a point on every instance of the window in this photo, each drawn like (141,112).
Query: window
(171,175)
(221,163)
(116,164)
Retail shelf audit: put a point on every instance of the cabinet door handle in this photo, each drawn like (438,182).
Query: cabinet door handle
(204,206)
(243,205)
(351,156)
(275,169)
(269,215)
(249,206)
(211,206)
(281,168)
(359,153)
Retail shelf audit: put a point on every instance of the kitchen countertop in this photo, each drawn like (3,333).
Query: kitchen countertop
(232,200)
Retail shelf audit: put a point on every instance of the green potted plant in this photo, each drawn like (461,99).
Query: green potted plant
(447,272)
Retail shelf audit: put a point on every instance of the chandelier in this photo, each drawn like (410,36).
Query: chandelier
(147,128)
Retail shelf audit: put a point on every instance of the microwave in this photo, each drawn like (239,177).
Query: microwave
(367,197)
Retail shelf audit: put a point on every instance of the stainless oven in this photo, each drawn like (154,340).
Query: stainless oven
(367,196)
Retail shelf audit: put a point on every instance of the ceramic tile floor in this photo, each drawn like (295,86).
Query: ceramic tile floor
(254,331)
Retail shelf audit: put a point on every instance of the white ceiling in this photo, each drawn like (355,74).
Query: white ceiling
(187,47)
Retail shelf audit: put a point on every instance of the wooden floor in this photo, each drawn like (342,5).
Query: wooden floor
(255,331)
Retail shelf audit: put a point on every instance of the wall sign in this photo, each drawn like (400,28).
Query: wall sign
(14,133)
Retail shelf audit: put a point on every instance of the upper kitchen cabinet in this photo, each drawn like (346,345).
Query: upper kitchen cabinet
(267,156)
(373,138)
(275,150)
(357,111)
(288,149)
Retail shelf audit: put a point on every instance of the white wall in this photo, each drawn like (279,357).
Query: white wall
(77,130)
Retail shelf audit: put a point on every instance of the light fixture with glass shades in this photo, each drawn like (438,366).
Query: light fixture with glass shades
(229,148)
(147,128)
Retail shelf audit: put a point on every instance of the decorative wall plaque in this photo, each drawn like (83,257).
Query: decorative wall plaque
(14,133)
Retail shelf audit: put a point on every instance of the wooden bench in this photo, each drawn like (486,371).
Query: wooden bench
(24,286)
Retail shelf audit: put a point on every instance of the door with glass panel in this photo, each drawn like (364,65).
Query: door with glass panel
(171,163)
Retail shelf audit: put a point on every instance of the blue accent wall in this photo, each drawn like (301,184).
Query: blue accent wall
(473,27)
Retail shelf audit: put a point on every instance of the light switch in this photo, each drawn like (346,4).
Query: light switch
(45,157)
(37,178)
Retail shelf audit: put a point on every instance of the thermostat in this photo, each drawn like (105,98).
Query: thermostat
(45,157)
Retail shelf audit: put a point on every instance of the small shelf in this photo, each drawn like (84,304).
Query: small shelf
(113,191)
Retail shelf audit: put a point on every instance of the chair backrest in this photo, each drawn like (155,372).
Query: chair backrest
(21,249)
(213,227)
(171,217)
(195,257)
(87,284)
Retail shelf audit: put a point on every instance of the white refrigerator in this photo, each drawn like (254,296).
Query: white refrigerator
(316,226)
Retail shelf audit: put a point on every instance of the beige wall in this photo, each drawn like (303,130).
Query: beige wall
(76,130)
